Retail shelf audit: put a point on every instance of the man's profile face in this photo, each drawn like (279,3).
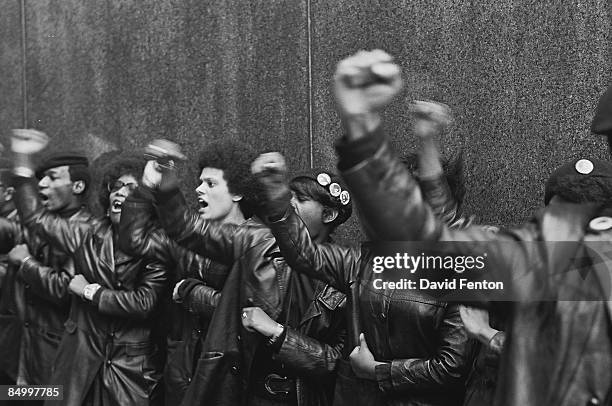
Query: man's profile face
(55,188)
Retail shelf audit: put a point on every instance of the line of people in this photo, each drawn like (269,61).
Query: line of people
(248,301)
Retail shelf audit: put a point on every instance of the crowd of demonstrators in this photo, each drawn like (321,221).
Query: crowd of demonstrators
(404,348)
(224,195)
(107,352)
(247,300)
(249,356)
(557,352)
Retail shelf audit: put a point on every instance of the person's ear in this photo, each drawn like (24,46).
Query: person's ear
(329,215)
(78,187)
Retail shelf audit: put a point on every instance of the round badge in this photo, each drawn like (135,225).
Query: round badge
(335,189)
(601,224)
(345,198)
(323,179)
(584,166)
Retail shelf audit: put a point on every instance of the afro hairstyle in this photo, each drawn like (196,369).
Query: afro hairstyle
(124,163)
(234,159)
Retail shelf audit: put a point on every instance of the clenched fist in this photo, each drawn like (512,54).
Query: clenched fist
(430,118)
(366,82)
(28,141)
(271,172)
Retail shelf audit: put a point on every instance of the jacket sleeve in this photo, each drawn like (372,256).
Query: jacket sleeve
(210,239)
(309,356)
(492,352)
(138,303)
(47,282)
(437,193)
(198,298)
(64,233)
(10,235)
(138,233)
(393,209)
(329,263)
(446,368)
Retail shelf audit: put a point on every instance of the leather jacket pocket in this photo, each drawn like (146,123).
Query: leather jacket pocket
(332,298)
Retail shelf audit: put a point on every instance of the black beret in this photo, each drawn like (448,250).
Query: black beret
(602,122)
(577,172)
(331,183)
(62,158)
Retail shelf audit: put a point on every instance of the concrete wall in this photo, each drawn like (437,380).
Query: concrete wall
(522,76)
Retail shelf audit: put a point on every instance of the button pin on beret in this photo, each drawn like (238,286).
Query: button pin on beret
(584,166)
(601,223)
(323,179)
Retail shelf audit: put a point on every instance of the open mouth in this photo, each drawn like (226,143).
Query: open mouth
(116,206)
(203,205)
(44,199)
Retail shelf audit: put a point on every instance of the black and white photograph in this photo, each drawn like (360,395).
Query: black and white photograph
(306,203)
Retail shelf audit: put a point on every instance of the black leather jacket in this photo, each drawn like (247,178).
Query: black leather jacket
(186,323)
(38,291)
(107,342)
(258,277)
(422,341)
(557,352)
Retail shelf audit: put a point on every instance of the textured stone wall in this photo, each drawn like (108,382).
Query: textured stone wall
(522,77)
(11,100)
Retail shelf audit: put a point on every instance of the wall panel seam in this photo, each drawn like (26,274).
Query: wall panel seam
(24,83)
(310,107)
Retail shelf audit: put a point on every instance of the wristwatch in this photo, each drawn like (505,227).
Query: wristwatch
(90,290)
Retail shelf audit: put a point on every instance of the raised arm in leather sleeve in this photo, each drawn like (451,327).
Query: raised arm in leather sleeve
(309,356)
(392,207)
(447,368)
(138,233)
(47,282)
(211,239)
(330,263)
(438,195)
(138,303)
(64,233)
(386,194)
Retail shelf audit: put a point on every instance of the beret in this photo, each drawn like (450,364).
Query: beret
(329,181)
(578,171)
(602,122)
(62,158)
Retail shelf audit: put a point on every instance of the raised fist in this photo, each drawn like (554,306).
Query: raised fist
(366,82)
(430,118)
(28,141)
(269,163)
(271,172)
(159,172)
(152,175)
(164,152)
